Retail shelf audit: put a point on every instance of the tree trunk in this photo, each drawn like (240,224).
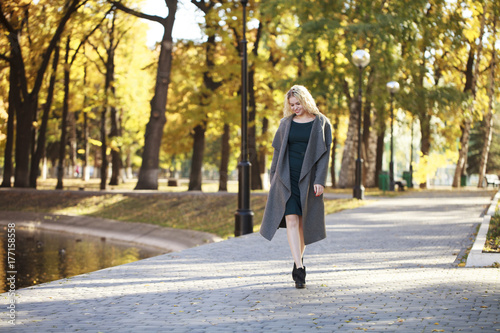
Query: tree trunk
(195,177)
(25,105)
(425,141)
(370,158)
(369,147)
(464,142)
(380,151)
(422,108)
(85,130)
(488,118)
(23,141)
(224,160)
(85,167)
(64,119)
(116,160)
(253,155)
(115,130)
(334,151)
(150,168)
(104,148)
(40,148)
(26,109)
(7,170)
(462,153)
(72,144)
(349,156)
(128,165)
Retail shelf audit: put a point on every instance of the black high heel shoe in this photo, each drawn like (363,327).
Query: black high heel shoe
(294,271)
(300,281)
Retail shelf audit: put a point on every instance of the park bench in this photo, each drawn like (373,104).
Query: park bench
(491,179)
(400,183)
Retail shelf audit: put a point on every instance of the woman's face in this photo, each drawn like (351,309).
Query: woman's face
(296,106)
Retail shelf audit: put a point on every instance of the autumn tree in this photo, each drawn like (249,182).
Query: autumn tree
(14,19)
(472,76)
(491,96)
(150,169)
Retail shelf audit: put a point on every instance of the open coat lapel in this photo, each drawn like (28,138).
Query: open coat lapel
(317,146)
(280,143)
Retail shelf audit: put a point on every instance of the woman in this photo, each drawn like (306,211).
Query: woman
(298,175)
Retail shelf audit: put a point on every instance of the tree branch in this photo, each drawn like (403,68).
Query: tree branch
(346,90)
(257,40)
(72,8)
(138,14)
(84,40)
(5,22)
(97,51)
(4,57)
(119,38)
(97,66)
(202,5)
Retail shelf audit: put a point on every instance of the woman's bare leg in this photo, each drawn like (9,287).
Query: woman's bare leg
(301,232)
(293,232)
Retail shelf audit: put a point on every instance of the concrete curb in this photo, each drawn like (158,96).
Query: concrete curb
(476,256)
(142,234)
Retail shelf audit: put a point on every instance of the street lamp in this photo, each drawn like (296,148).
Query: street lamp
(392,87)
(361,59)
(244,215)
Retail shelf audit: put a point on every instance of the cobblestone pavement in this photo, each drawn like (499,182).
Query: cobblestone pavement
(390,266)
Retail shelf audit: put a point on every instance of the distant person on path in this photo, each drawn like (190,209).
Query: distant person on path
(298,175)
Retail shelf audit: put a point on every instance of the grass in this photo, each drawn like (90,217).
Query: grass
(93,184)
(492,243)
(208,212)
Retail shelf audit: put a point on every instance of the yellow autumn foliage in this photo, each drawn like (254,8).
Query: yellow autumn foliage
(428,164)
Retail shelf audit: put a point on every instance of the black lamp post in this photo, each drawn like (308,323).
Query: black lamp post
(392,87)
(244,215)
(361,59)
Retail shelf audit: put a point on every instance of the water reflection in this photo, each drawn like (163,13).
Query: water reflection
(43,256)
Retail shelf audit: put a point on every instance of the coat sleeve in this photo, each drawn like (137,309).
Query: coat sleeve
(276,154)
(322,164)
(274,163)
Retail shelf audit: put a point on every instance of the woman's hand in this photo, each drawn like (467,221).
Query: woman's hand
(318,189)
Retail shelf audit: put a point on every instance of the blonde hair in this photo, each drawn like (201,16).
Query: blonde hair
(305,98)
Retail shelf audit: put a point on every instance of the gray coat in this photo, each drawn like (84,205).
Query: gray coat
(314,171)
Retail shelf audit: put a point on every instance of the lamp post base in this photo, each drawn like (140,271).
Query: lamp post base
(359,192)
(359,189)
(391,176)
(244,222)
(410,185)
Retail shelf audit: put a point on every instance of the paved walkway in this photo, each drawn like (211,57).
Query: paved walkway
(390,266)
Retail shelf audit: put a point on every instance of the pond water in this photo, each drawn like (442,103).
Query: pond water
(43,256)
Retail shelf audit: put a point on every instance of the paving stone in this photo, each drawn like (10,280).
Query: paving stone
(390,266)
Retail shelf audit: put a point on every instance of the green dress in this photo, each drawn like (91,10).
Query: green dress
(297,145)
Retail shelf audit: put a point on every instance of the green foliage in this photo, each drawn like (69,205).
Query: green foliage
(476,145)
(493,235)
(424,45)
